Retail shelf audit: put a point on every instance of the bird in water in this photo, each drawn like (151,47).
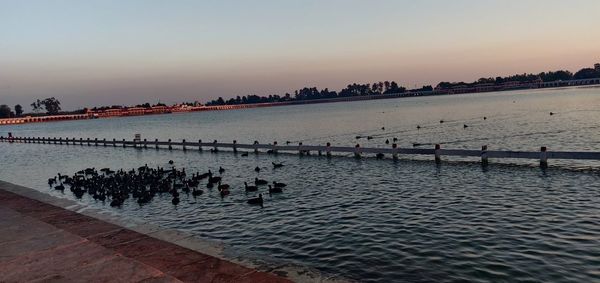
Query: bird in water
(379,155)
(257,169)
(260,182)
(441,121)
(387,141)
(551,113)
(257,200)
(244,154)
(369,137)
(465,126)
(395,139)
(418,127)
(171,162)
(484,118)
(383,128)
(221,170)
(277,165)
(175,201)
(275,190)
(250,188)
(279,185)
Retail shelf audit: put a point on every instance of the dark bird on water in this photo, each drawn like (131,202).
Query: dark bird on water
(250,188)
(383,128)
(257,169)
(171,162)
(369,137)
(387,141)
(175,201)
(551,113)
(277,165)
(275,190)
(465,126)
(260,182)
(279,185)
(221,170)
(257,200)
(484,118)
(244,154)
(379,155)
(418,127)
(441,121)
(395,139)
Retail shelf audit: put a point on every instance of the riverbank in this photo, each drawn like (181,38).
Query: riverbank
(45,238)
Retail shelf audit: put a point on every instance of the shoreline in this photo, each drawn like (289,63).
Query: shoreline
(68,216)
(132,112)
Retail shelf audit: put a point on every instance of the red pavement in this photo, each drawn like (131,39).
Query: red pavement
(40,242)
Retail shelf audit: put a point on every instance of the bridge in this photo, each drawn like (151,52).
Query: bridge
(328,150)
(32,119)
(571,83)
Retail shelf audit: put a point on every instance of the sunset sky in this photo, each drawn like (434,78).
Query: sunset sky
(89,53)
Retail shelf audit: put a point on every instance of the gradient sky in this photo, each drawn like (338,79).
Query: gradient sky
(108,52)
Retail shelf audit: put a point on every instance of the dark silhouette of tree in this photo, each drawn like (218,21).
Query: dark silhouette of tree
(18,110)
(5,111)
(51,105)
(586,73)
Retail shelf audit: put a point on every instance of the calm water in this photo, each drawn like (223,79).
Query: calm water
(371,220)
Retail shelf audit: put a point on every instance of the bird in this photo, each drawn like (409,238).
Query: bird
(275,190)
(171,162)
(277,165)
(383,128)
(244,154)
(484,118)
(175,201)
(379,155)
(223,186)
(221,170)
(196,193)
(257,200)
(465,126)
(369,137)
(441,121)
(279,185)
(257,169)
(60,187)
(259,182)
(395,139)
(250,188)
(224,193)
(418,127)
(551,113)
(387,141)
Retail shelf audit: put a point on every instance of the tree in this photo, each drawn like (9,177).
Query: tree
(18,110)
(5,111)
(51,104)
(586,73)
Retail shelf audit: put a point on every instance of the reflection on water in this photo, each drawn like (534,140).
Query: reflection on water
(370,220)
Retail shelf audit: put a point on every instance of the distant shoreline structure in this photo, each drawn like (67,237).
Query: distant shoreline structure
(155,110)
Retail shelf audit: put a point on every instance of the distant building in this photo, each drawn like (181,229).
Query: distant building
(597,67)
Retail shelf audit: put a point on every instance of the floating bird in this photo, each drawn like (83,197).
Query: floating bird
(379,155)
(441,121)
(465,126)
(277,165)
(387,141)
(275,190)
(258,200)
(383,128)
(221,170)
(250,188)
(418,127)
(60,187)
(244,154)
(484,118)
(551,113)
(260,182)
(369,137)
(175,201)
(257,169)
(171,162)
(279,185)
(196,193)
(395,139)
(223,186)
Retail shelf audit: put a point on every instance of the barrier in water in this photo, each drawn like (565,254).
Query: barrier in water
(437,152)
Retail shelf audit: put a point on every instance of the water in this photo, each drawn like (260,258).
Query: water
(371,220)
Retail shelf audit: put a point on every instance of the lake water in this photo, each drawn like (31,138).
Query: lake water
(370,220)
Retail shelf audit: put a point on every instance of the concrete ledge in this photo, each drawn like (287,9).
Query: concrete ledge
(43,239)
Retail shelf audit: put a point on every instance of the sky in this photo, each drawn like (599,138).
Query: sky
(122,52)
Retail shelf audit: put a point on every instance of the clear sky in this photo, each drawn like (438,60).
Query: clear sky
(108,52)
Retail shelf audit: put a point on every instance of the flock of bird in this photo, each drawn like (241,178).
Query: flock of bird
(145,183)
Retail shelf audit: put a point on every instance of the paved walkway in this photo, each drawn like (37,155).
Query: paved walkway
(40,242)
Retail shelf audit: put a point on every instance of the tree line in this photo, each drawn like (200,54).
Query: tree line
(312,93)
(387,87)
